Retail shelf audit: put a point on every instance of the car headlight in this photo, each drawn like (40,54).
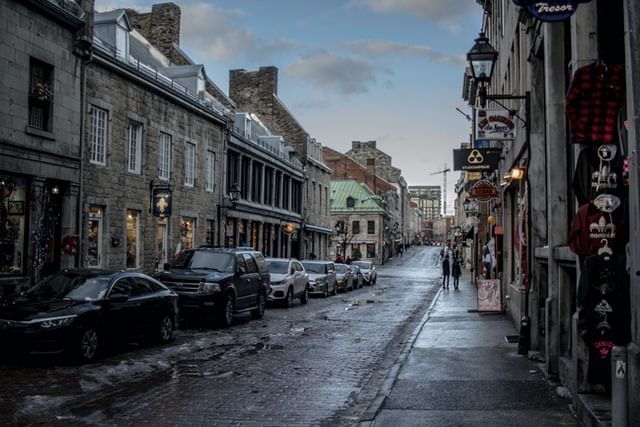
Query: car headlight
(56,322)
(319,281)
(279,283)
(210,288)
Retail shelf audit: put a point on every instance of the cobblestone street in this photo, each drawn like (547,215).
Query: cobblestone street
(319,364)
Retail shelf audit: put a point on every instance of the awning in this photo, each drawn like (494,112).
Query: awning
(317,229)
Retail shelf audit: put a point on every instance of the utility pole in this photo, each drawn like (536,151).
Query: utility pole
(444,189)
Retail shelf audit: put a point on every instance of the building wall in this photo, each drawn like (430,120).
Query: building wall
(115,190)
(39,168)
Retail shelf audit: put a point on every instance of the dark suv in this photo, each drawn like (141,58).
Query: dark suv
(219,282)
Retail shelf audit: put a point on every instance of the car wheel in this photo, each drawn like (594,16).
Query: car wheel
(88,345)
(305,296)
(165,332)
(258,313)
(335,289)
(289,301)
(225,314)
(326,291)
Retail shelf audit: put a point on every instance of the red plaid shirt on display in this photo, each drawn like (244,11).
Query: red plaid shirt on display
(595,96)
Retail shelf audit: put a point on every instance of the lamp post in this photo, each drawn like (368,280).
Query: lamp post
(234,194)
(482,59)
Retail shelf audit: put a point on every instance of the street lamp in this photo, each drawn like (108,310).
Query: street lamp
(234,194)
(482,59)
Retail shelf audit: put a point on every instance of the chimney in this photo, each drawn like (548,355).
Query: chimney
(370,178)
(161,27)
(251,90)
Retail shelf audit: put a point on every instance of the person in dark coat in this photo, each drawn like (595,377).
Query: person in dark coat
(446,270)
(456,271)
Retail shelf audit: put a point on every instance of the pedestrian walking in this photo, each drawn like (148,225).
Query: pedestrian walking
(446,270)
(487,261)
(456,271)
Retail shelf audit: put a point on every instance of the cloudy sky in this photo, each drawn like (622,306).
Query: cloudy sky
(349,70)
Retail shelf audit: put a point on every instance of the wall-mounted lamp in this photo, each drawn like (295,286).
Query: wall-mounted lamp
(234,193)
(482,59)
(516,173)
(55,190)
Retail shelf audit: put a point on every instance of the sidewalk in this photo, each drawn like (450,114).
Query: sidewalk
(458,369)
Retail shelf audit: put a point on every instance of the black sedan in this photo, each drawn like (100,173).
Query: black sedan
(79,311)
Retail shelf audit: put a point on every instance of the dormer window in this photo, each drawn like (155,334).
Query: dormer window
(351,202)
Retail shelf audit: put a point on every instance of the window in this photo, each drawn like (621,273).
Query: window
(164,156)
(162,242)
(371,250)
(351,202)
(355,226)
(14,206)
(94,258)
(40,94)
(187,227)
(340,227)
(135,148)
(371,227)
(251,264)
(98,135)
(240,263)
(133,239)
(211,232)
(189,164)
(211,170)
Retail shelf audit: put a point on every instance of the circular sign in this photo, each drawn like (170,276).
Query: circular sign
(483,191)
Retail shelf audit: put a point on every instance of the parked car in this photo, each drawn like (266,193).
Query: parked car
(289,280)
(322,277)
(81,312)
(344,277)
(219,283)
(358,280)
(368,270)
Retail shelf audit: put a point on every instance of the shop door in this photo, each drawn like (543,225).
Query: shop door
(51,230)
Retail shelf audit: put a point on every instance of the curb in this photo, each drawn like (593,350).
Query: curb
(369,415)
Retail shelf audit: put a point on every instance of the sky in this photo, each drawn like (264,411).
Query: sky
(349,70)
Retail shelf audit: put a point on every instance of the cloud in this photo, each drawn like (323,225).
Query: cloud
(339,74)
(218,34)
(444,12)
(379,48)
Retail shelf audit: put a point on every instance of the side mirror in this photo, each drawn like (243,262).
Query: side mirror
(166,266)
(241,271)
(119,298)
(292,271)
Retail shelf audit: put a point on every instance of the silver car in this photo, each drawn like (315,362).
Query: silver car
(368,270)
(322,277)
(289,280)
(344,277)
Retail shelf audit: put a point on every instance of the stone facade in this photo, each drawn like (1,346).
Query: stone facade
(40,127)
(257,92)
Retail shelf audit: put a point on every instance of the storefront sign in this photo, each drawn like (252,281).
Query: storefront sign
(475,160)
(551,10)
(483,191)
(496,124)
(161,202)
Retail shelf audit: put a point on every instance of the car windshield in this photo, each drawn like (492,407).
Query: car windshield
(314,268)
(278,267)
(206,260)
(341,268)
(362,264)
(79,287)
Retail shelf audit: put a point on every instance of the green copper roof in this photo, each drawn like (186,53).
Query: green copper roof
(364,200)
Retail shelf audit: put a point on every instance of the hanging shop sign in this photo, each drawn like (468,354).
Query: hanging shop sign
(162,202)
(475,160)
(551,10)
(483,191)
(496,124)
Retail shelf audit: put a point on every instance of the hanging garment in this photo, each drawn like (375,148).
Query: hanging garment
(594,99)
(604,318)
(598,171)
(591,225)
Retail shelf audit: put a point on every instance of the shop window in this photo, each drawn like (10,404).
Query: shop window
(133,239)
(189,164)
(94,237)
(211,232)
(162,242)
(98,135)
(187,227)
(371,250)
(40,94)
(135,148)
(12,224)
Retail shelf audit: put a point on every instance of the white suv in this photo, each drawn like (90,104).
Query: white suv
(289,280)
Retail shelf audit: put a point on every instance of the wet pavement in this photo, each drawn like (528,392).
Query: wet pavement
(316,364)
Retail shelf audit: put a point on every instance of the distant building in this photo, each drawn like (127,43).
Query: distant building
(427,197)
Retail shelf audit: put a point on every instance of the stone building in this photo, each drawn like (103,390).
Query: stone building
(427,197)
(544,264)
(44,47)
(256,92)
(360,222)
(346,168)
(152,167)
(364,151)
